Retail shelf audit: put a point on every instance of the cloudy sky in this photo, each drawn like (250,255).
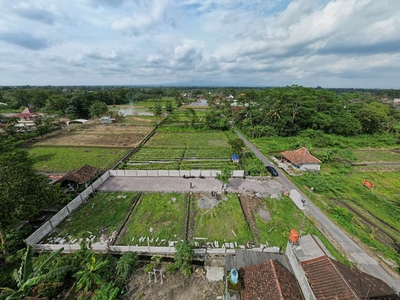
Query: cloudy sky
(336,43)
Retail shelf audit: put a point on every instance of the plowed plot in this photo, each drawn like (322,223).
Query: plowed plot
(253,207)
(99,136)
(223,222)
(158,217)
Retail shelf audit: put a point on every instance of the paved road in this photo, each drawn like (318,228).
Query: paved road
(355,253)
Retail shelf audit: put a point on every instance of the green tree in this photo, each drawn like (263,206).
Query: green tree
(224,176)
(373,117)
(89,277)
(126,265)
(107,291)
(23,192)
(157,110)
(183,256)
(31,280)
(98,109)
(168,107)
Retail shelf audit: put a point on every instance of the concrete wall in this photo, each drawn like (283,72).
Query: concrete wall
(48,227)
(299,273)
(310,167)
(171,173)
(69,248)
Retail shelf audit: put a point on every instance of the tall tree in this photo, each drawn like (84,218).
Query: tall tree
(23,192)
(98,109)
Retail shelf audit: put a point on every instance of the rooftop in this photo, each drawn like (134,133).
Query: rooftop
(300,156)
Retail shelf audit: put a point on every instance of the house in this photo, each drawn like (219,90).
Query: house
(27,119)
(78,177)
(322,277)
(185,95)
(302,159)
(396,102)
(262,276)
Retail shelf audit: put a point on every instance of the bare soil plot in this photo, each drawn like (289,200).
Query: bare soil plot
(253,206)
(175,287)
(118,136)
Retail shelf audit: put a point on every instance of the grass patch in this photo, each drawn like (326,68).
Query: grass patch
(65,159)
(217,223)
(104,210)
(161,212)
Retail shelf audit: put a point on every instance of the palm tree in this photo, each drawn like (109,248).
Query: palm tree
(31,280)
(89,276)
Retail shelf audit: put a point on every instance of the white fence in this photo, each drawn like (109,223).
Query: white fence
(171,173)
(69,248)
(47,227)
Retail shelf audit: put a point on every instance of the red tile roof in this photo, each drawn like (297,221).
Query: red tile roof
(300,156)
(80,175)
(330,279)
(26,113)
(269,280)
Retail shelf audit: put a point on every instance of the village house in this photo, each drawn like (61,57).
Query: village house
(306,271)
(27,119)
(301,159)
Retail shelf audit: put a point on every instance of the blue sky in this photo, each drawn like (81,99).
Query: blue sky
(337,43)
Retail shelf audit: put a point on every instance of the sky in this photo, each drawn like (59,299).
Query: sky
(336,43)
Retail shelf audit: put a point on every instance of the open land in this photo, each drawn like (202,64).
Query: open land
(107,136)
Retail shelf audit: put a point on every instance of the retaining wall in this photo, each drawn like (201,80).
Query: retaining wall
(171,173)
(47,227)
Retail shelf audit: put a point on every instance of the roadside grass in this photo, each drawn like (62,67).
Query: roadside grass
(285,216)
(379,206)
(105,211)
(161,212)
(65,159)
(369,215)
(217,223)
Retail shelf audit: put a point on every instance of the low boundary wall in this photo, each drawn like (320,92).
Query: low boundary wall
(47,227)
(69,248)
(171,173)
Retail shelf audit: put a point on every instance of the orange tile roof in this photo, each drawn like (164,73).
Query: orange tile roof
(300,156)
(269,280)
(330,279)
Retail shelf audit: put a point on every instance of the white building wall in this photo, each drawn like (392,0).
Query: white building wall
(312,167)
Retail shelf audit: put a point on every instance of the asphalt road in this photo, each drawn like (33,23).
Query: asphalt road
(355,253)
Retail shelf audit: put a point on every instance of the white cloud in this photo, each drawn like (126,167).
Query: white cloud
(142,21)
(280,42)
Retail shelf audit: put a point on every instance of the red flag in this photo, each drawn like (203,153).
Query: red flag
(368,184)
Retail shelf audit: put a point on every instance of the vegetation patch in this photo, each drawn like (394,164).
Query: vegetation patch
(65,159)
(102,214)
(223,223)
(108,136)
(158,217)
